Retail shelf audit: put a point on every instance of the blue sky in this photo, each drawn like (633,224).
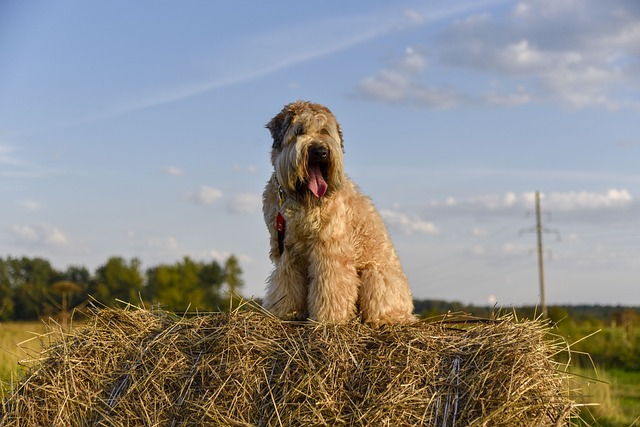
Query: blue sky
(137,129)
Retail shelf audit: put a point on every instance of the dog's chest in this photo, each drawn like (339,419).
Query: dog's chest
(311,223)
(303,223)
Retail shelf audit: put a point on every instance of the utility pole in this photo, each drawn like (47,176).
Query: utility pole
(539,229)
(543,302)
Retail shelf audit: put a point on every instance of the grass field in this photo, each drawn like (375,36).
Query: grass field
(18,341)
(616,391)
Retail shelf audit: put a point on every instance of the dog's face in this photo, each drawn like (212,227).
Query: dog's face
(307,150)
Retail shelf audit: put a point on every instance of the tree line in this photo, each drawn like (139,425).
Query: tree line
(31,288)
(608,336)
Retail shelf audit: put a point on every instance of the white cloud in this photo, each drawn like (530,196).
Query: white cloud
(168,244)
(519,96)
(217,255)
(25,232)
(496,204)
(498,251)
(478,250)
(7,156)
(30,205)
(245,168)
(40,233)
(306,39)
(407,224)
(521,55)
(587,200)
(262,54)
(510,248)
(577,53)
(245,203)
(413,62)
(206,195)
(401,82)
(13,166)
(486,202)
(387,86)
(222,256)
(157,248)
(415,16)
(173,171)
(479,232)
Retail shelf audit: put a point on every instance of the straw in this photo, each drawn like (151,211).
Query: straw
(128,367)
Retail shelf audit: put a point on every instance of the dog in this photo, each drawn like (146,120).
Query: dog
(333,258)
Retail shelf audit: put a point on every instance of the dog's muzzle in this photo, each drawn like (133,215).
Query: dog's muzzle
(318,154)
(318,157)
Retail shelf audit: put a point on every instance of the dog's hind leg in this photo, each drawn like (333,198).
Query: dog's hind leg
(385,297)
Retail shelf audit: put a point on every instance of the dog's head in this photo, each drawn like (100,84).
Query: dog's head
(307,150)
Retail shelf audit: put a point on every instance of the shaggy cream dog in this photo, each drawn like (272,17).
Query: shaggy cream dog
(332,253)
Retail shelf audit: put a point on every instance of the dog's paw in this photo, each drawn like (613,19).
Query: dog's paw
(290,316)
(395,319)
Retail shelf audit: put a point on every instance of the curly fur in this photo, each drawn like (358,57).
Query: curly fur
(338,260)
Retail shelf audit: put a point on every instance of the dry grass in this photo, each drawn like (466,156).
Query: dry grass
(246,368)
(17,341)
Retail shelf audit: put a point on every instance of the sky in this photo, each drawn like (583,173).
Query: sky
(136,129)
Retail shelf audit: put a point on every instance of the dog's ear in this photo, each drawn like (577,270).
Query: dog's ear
(278,127)
(340,135)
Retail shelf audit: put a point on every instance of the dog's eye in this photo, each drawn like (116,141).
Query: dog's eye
(299,130)
(325,131)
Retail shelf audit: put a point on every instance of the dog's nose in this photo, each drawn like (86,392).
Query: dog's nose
(318,153)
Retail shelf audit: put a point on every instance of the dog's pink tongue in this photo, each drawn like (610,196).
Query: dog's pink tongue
(317,184)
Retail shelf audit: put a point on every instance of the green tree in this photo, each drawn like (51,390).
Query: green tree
(558,313)
(211,278)
(82,277)
(118,280)
(186,285)
(77,274)
(29,280)
(6,292)
(232,275)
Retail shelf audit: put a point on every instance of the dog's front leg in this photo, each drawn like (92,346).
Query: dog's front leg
(287,287)
(333,281)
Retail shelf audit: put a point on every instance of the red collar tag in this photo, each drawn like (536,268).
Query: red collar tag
(280,226)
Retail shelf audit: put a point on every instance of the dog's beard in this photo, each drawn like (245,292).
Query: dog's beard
(312,181)
(306,178)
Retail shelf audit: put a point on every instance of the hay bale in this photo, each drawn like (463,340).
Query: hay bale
(246,368)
